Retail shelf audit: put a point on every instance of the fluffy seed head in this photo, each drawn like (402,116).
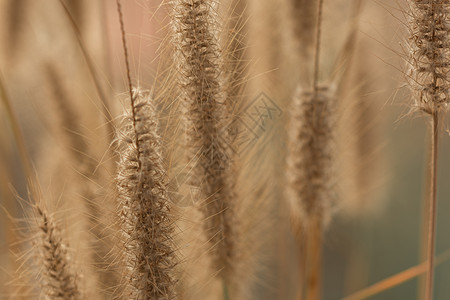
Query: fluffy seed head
(429,58)
(201,80)
(144,206)
(58,278)
(310,156)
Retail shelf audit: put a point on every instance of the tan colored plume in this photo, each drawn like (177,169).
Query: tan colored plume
(58,279)
(310,157)
(147,222)
(202,87)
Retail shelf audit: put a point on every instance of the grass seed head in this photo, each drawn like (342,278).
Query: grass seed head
(58,278)
(429,58)
(202,87)
(145,209)
(310,156)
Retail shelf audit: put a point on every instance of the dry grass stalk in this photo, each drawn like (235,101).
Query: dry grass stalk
(198,58)
(429,66)
(58,279)
(432,202)
(397,279)
(145,209)
(429,57)
(310,169)
(147,223)
(314,255)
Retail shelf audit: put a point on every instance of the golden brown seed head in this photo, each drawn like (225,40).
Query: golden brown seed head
(58,279)
(429,59)
(310,156)
(145,209)
(202,87)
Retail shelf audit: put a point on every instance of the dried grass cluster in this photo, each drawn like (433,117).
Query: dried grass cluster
(112,176)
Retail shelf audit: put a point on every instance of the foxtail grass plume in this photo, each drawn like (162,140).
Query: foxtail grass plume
(58,279)
(202,87)
(310,156)
(429,66)
(310,178)
(429,59)
(144,206)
